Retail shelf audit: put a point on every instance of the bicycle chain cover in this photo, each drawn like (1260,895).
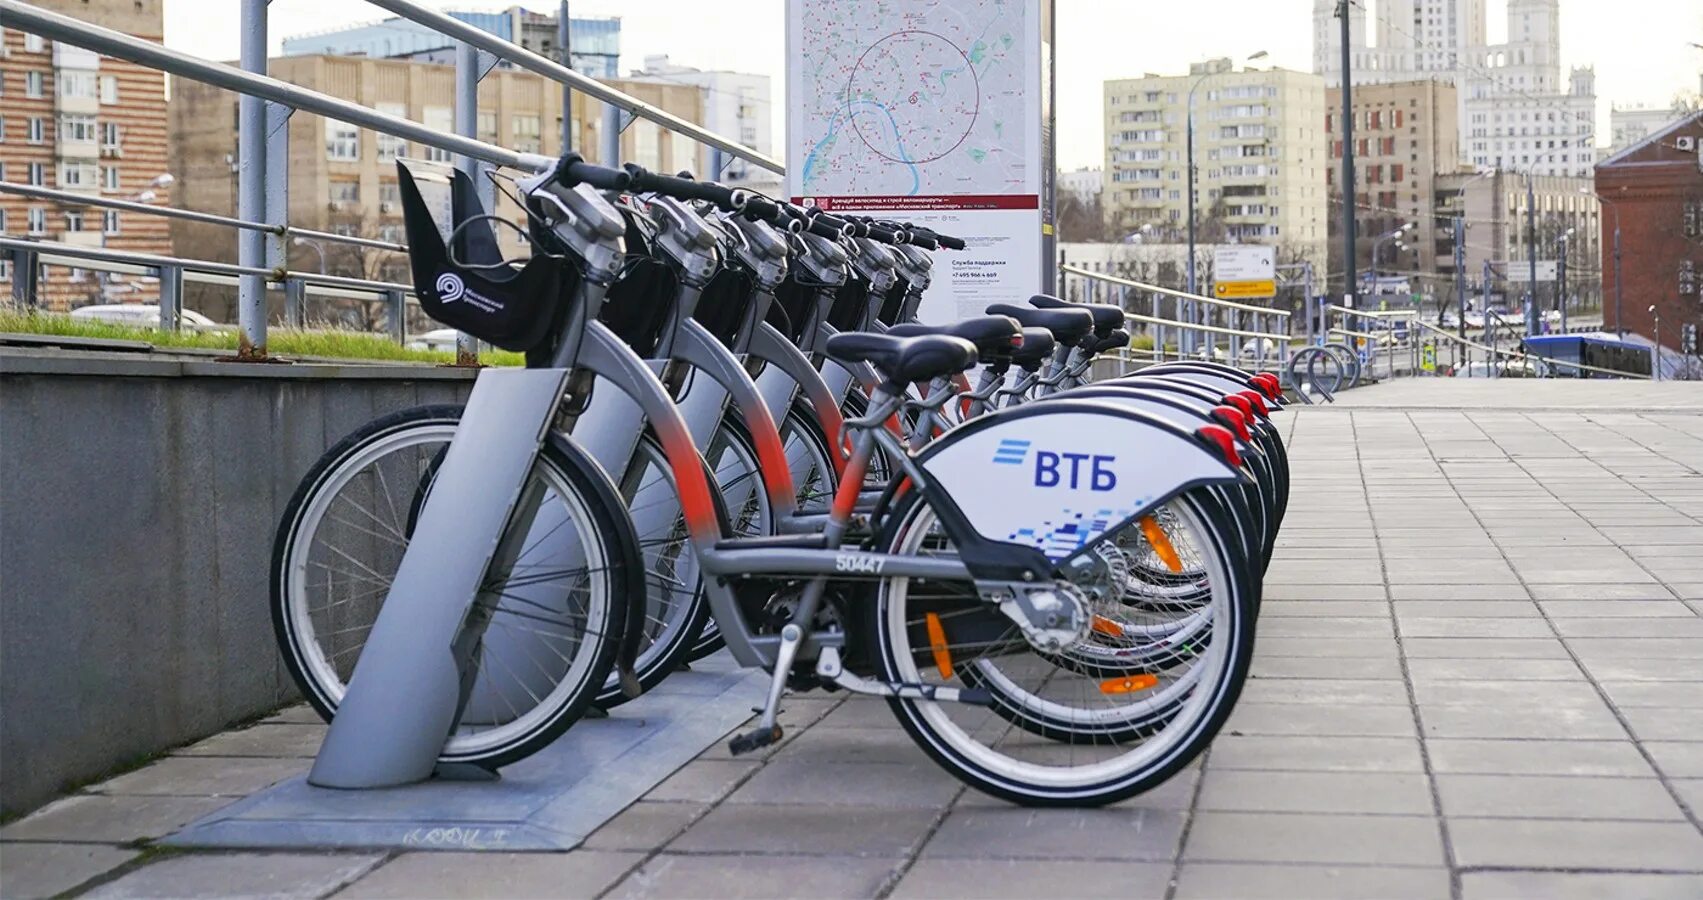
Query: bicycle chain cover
(506,305)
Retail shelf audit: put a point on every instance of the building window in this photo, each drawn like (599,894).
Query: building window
(38,129)
(440,119)
(342,142)
(389,196)
(37,220)
(109,178)
(76,128)
(389,145)
(32,85)
(33,43)
(74,220)
(77,276)
(77,84)
(2,129)
(77,175)
(111,137)
(109,88)
(526,133)
(647,149)
(487,126)
(109,221)
(345,194)
(38,174)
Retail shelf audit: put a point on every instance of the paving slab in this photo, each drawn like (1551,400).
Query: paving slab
(1244,881)
(30,870)
(219,875)
(580,873)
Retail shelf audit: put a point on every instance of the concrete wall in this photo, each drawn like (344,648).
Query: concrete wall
(138,501)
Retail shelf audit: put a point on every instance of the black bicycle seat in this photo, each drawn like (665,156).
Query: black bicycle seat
(1037,347)
(1118,338)
(1106,316)
(994,336)
(1067,325)
(904,359)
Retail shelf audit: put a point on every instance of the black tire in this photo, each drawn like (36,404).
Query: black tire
(1234,639)
(597,497)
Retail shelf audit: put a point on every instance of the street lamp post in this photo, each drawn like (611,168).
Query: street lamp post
(1531,256)
(318,248)
(1189,162)
(1378,245)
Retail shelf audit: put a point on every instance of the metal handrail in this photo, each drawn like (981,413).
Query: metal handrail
(1230,304)
(156,261)
(1215,329)
(555,71)
(171,212)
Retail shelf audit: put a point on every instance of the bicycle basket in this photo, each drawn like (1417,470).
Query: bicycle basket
(639,303)
(851,304)
(503,304)
(723,305)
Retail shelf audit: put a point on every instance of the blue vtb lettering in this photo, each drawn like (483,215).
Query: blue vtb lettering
(1104,479)
(1046,469)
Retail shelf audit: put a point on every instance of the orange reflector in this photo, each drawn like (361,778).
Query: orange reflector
(1161,544)
(1128,684)
(937,643)
(1107,627)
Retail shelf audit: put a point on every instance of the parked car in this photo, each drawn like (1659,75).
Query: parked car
(143,315)
(436,339)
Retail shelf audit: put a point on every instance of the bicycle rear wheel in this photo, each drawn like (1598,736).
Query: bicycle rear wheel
(551,613)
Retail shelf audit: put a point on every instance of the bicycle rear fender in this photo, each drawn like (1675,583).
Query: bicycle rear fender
(1054,477)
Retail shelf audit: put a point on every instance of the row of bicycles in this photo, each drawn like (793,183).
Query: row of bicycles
(1053,581)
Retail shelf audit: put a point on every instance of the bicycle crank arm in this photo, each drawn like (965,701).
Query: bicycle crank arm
(828,666)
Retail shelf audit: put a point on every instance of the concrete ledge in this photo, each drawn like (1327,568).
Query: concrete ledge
(138,502)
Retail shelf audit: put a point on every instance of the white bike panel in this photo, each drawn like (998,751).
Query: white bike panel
(1058,481)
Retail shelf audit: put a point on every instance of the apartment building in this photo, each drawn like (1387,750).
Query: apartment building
(1405,135)
(343,178)
(737,105)
(72,120)
(1259,153)
(1494,205)
(596,42)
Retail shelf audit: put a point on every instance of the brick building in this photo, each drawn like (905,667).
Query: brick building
(71,120)
(1653,190)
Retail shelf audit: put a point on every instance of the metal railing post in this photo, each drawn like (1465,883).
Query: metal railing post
(295,303)
(171,297)
(467,125)
(251,187)
(1236,339)
(26,276)
(277,190)
(398,303)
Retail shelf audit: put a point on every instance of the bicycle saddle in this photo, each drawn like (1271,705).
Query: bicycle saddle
(994,336)
(904,359)
(1067,325)
(1118,338)
(1037,348)
(1106,316)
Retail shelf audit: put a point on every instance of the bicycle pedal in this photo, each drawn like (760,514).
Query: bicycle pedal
(756,739)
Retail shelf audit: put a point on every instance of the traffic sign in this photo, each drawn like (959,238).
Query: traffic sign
(1242,290)
(1244,271)
(1520,270)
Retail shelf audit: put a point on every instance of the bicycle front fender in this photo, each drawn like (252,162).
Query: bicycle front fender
(1054,477)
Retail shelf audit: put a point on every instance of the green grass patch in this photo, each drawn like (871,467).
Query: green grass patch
(280,342)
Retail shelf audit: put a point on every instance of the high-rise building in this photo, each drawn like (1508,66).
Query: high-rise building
(737,106)
(1404,134)
(1514,111)
(342,178)
(76,121)
(1259,157)
(596,43)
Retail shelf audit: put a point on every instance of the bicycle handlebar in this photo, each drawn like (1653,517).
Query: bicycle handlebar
(572,169)
(754,206)
(944,240)
(679,188)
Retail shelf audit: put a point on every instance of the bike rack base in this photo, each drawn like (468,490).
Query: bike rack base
(549,801)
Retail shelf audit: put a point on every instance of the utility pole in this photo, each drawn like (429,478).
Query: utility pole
(1619,329)
(1350,277)
(1460,276)
(1531,256)
(1561,284)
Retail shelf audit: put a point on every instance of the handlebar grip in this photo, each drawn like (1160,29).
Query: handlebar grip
(949,242)
(882,233)
(761,208)
(680,188)
(925,241)
(572,169)
(828,226)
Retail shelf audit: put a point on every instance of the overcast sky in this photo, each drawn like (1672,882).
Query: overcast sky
(1639,47)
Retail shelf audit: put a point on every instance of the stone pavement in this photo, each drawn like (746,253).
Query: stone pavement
(1479,674)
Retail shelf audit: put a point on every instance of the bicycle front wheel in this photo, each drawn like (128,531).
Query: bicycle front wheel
(550,614)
